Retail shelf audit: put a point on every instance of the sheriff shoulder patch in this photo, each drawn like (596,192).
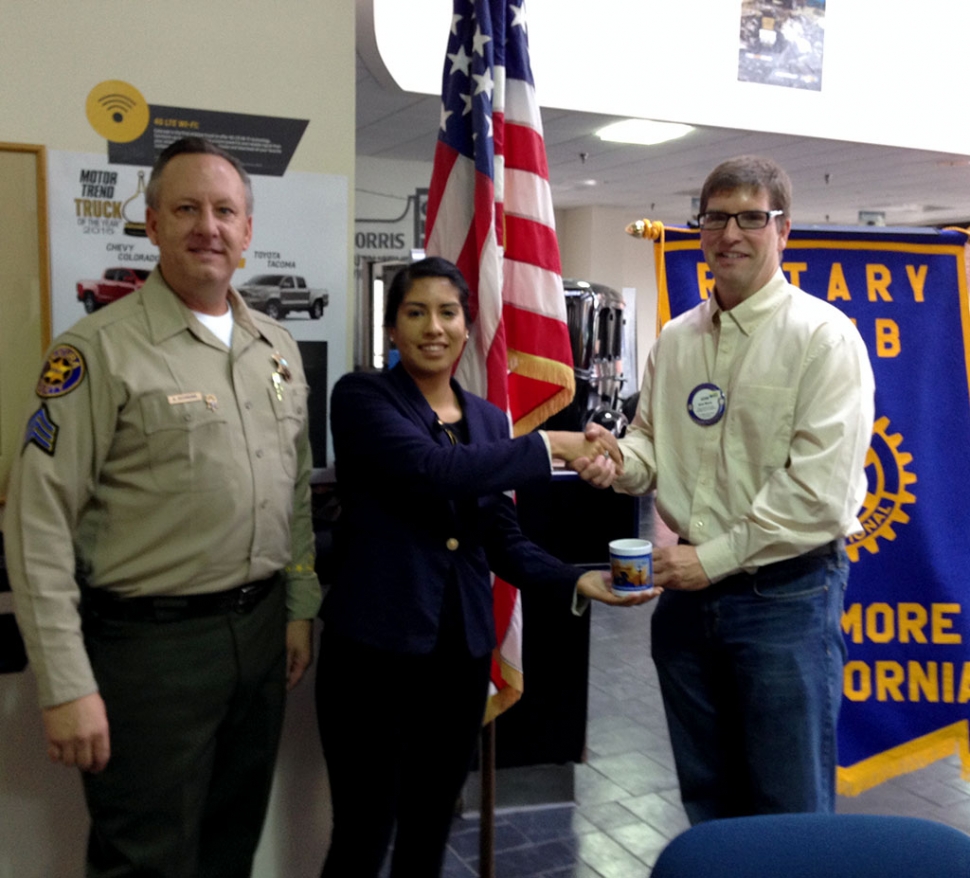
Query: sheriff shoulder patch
(63,372)
(41,431)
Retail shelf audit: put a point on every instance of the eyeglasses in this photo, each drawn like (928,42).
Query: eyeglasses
(715,220)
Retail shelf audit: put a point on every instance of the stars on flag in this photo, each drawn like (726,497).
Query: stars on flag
(469,84)
(484,83)
(479,41)
(445,113)
(460,60)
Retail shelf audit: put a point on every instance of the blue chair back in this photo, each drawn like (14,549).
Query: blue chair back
(817,846)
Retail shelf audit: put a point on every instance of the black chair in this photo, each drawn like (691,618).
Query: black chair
(817,846)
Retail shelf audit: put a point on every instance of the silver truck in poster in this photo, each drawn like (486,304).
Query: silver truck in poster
(278,294)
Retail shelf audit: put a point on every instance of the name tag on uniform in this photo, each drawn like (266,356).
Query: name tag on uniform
(180,398)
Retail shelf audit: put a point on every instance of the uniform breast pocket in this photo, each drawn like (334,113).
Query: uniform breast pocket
(290,409)
(187,444)
(759,425)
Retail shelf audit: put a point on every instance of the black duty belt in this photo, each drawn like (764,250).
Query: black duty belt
(165,608)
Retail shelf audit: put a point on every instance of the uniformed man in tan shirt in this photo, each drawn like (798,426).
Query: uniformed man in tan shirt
(160,545)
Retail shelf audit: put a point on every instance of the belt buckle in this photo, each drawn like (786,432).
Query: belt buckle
(246,598)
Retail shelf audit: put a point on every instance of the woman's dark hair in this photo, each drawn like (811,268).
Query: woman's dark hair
(432,266)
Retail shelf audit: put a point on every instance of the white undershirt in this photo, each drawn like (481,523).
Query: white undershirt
(220,326)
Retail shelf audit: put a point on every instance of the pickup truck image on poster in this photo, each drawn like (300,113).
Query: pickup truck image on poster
(92,255)
(278,294)
(111,286)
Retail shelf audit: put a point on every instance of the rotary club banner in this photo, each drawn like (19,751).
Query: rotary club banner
(907,613)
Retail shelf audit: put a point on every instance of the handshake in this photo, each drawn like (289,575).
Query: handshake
(595,454)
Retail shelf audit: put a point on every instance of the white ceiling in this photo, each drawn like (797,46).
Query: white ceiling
(832,180)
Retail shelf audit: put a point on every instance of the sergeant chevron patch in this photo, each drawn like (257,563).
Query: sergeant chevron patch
(41,431)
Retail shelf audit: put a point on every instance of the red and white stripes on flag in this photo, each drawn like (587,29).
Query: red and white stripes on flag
(490,212)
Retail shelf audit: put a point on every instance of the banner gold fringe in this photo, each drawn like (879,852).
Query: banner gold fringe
(911,756)
(550,371)
(504,698)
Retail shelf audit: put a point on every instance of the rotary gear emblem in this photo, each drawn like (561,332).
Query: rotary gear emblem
(887,494)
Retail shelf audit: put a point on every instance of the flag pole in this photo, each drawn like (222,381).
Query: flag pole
(490,121)
(486,825)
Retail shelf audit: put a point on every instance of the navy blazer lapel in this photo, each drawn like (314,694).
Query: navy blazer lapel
(471,406)
(420,412)
(474,411)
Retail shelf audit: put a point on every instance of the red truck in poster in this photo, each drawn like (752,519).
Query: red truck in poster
(115,283)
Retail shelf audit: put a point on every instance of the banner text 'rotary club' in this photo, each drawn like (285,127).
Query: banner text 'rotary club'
(881,285)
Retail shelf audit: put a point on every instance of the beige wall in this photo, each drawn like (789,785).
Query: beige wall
(24,317)
(293,59)
(594,246)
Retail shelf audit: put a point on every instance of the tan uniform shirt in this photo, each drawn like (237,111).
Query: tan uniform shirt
(782,471)
(159,462)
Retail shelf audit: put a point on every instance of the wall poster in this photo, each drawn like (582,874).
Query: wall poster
(297,257)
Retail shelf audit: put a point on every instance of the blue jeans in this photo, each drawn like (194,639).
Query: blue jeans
(751,675)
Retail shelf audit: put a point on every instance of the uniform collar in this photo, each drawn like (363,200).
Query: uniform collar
(168,315)
(242,315)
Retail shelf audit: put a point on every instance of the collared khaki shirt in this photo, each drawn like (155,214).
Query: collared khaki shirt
(157,461)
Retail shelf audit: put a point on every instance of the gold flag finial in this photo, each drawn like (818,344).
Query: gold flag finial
(644,228)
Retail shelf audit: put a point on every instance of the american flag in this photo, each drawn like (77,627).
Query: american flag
(490,212)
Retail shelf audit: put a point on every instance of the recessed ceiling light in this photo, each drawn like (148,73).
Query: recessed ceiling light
(646,132)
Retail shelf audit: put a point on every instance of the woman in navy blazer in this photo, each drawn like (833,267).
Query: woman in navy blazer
(422,467)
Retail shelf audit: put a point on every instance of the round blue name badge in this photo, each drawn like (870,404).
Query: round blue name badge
(705,405)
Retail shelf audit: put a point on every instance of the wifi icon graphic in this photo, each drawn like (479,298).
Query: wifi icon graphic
(117,111)
(118,106)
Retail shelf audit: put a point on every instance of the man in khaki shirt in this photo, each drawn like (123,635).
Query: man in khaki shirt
(160,545)
(754,420)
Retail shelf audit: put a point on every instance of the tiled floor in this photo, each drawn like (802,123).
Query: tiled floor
(627,804)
